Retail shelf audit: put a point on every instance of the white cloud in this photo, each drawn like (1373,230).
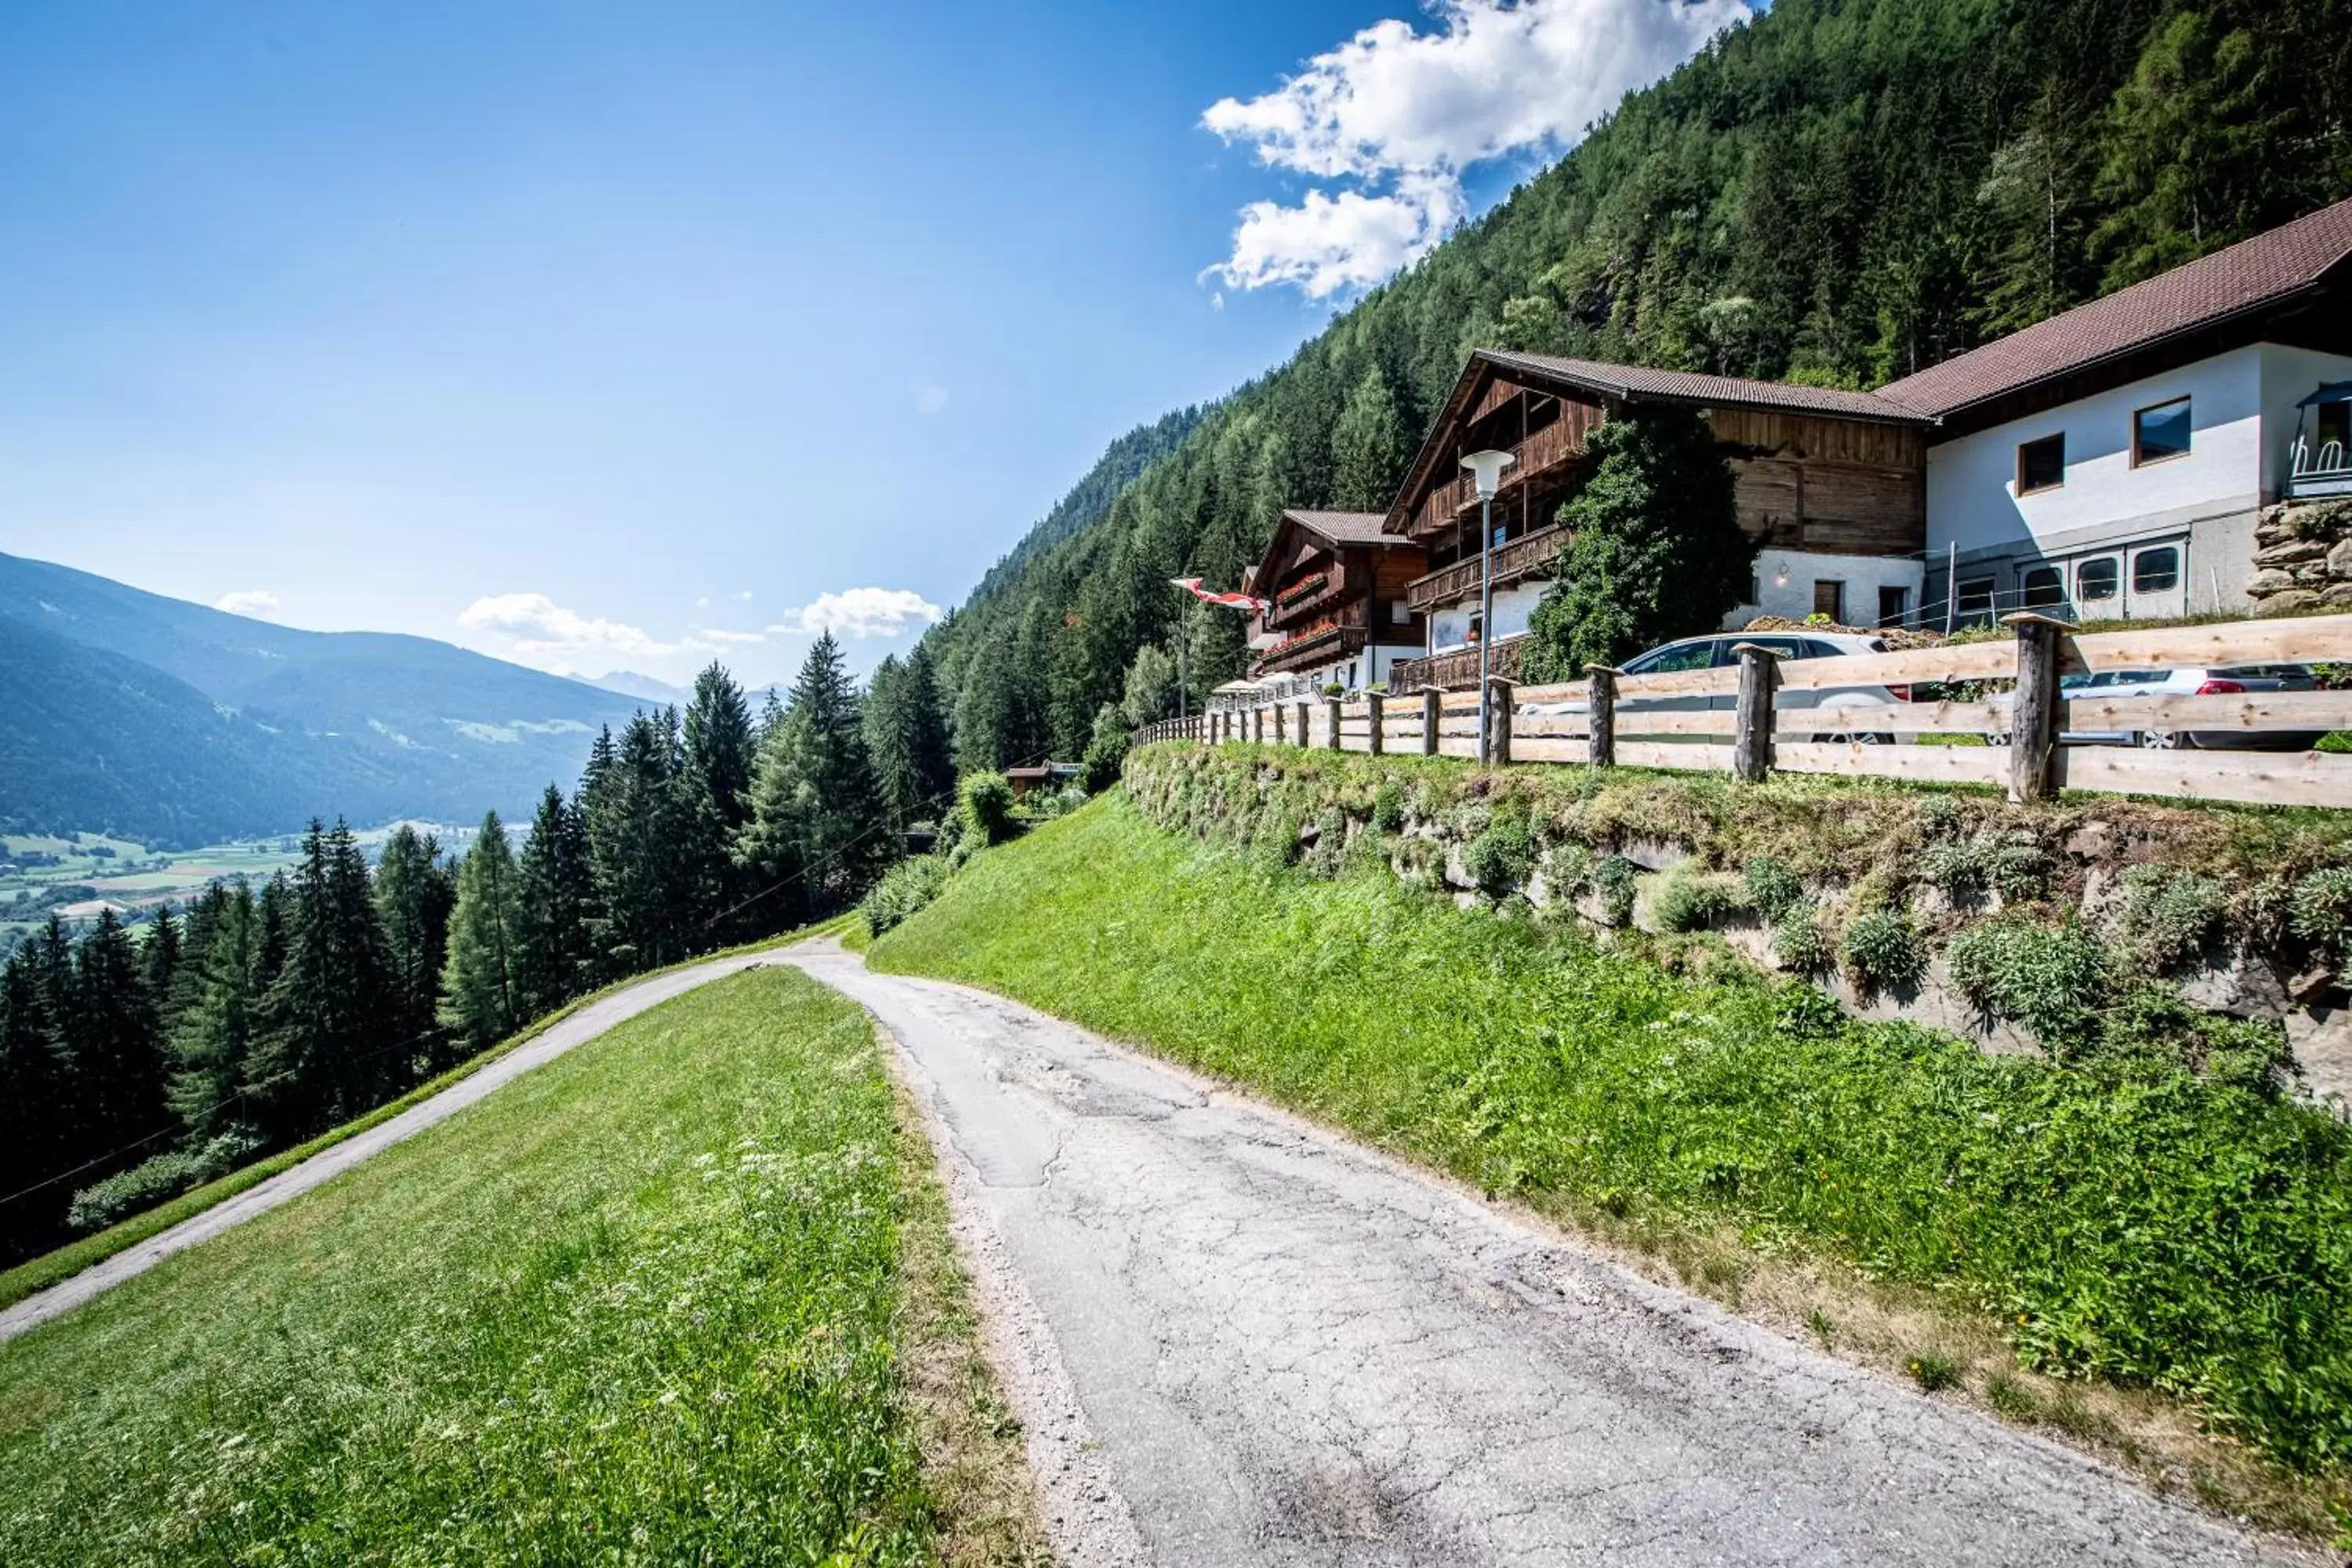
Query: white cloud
(862,613)
(1400,114)
(541,626)
(930,397)
(258,603)
(725,639)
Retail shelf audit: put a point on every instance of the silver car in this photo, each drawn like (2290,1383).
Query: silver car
(2194,682)
(1714,652)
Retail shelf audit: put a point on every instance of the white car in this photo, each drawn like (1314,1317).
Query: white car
(2195,682)
(1714,651)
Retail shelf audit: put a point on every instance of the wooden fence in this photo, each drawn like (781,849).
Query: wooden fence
(1601,720)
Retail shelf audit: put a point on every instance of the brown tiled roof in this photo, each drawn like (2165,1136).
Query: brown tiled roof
(1344,527)
(2247,275)
(1641,383)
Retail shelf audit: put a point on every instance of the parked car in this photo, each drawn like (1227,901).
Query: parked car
(1714,651)
(2199,681)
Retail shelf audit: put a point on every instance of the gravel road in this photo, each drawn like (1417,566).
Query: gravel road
(584,1025)
(1236,1338)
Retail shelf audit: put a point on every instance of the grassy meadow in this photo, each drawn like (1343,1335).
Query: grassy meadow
(650,1304)
(2123,1222)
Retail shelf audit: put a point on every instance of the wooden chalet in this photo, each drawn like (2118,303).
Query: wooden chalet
(1830,483)
(1335,585)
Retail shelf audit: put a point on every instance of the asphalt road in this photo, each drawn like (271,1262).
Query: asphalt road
(1236,1338)
(584,1025)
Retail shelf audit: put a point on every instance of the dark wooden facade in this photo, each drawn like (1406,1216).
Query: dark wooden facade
(1333,582)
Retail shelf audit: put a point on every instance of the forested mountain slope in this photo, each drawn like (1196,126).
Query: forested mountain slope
(170,722)
(1842,190)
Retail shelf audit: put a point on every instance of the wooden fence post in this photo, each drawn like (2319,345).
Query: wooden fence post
(1433,713)
(2033,716)
(1751,745)
(1499,702)
(1305,737)
(1601,715)
(1373,705)
(1277,723)
(1332,709)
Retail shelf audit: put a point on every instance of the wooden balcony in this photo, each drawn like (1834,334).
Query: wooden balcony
(1559,442)
(1319,646)
(1529,555)
(1336,585)
(1456,670)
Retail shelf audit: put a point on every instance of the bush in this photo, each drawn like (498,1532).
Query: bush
(2320,911)
(1105,755)
(1566,868)
(2165,916)
(1330,845)
(1798,943)
(2052,980)
(984,801)
(1388,806)
(165,1176)
(1772,887)
(1688,903)
(1881,952)
(903,890)
(1500,858)
(1613,880)
(1964,868)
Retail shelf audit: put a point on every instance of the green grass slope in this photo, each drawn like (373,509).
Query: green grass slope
(2123,1219)
(640,1306)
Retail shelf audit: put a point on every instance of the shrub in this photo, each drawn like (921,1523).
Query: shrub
(984,801)
(1105,755)
(1798,943)
(1333,688)
(2052,980)
(1689,903)
(1772,887)
(152,1182)
(2165,916)
(1932,1371)
(1500,858)
(1613,880)
(1331,842)
(2320,911)
(1808,1013)
(1388,806)
(1566,868)
(903,890)
(1882,952)
(1964,868)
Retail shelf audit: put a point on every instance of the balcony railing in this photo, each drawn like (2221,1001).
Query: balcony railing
(1544,450)
(1456,670)
(2325,470)
(1292,608)
(1315,645)
(1529,555)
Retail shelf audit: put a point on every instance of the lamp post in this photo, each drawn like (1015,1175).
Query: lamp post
(1487,468)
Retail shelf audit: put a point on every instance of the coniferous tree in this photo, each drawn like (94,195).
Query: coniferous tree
(274,908)
(717,787)
(638,817)
(214,1039)
(32,1088)
(414,895)
(160,959)
(906,738)
(1369,446)
(478,992)
(111,1033)
(553,887)
(817,828)
(326,1050)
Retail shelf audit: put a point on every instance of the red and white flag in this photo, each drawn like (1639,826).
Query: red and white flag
(1230,601)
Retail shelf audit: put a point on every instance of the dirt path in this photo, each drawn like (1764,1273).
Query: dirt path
(1236,1338)
(580,1028)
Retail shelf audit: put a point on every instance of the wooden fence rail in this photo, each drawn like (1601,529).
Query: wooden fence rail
(1741,719)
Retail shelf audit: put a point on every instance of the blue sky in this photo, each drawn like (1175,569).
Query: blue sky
(615,337)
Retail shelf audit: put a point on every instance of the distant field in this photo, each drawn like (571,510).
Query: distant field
(642,1305)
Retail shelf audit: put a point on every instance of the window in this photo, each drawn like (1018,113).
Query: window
(2157,571)
(2160,432)
(1755,590)
(2098,579)
(2042,465)
(1976,596)
(1829,598)
(1400,613)
(2044,586)
(1894,606)
(1673,656)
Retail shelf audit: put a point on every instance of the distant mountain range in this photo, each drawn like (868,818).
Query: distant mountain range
(154,719)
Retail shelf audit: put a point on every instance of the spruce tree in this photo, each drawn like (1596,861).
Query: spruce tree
(637,816)
(553,887)
(325,1052)
(718,785)
(211,1045)
(817,835)
(1369,446)
(33,1142)
(110,1030)
(906,738)
(413,894)
(479,993)
(160,959)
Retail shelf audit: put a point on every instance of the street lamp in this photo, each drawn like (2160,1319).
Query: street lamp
(1488,468)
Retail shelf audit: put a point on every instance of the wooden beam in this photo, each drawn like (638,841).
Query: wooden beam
(1751,744)
(2263,778)
(2033,711)
(1938,765)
